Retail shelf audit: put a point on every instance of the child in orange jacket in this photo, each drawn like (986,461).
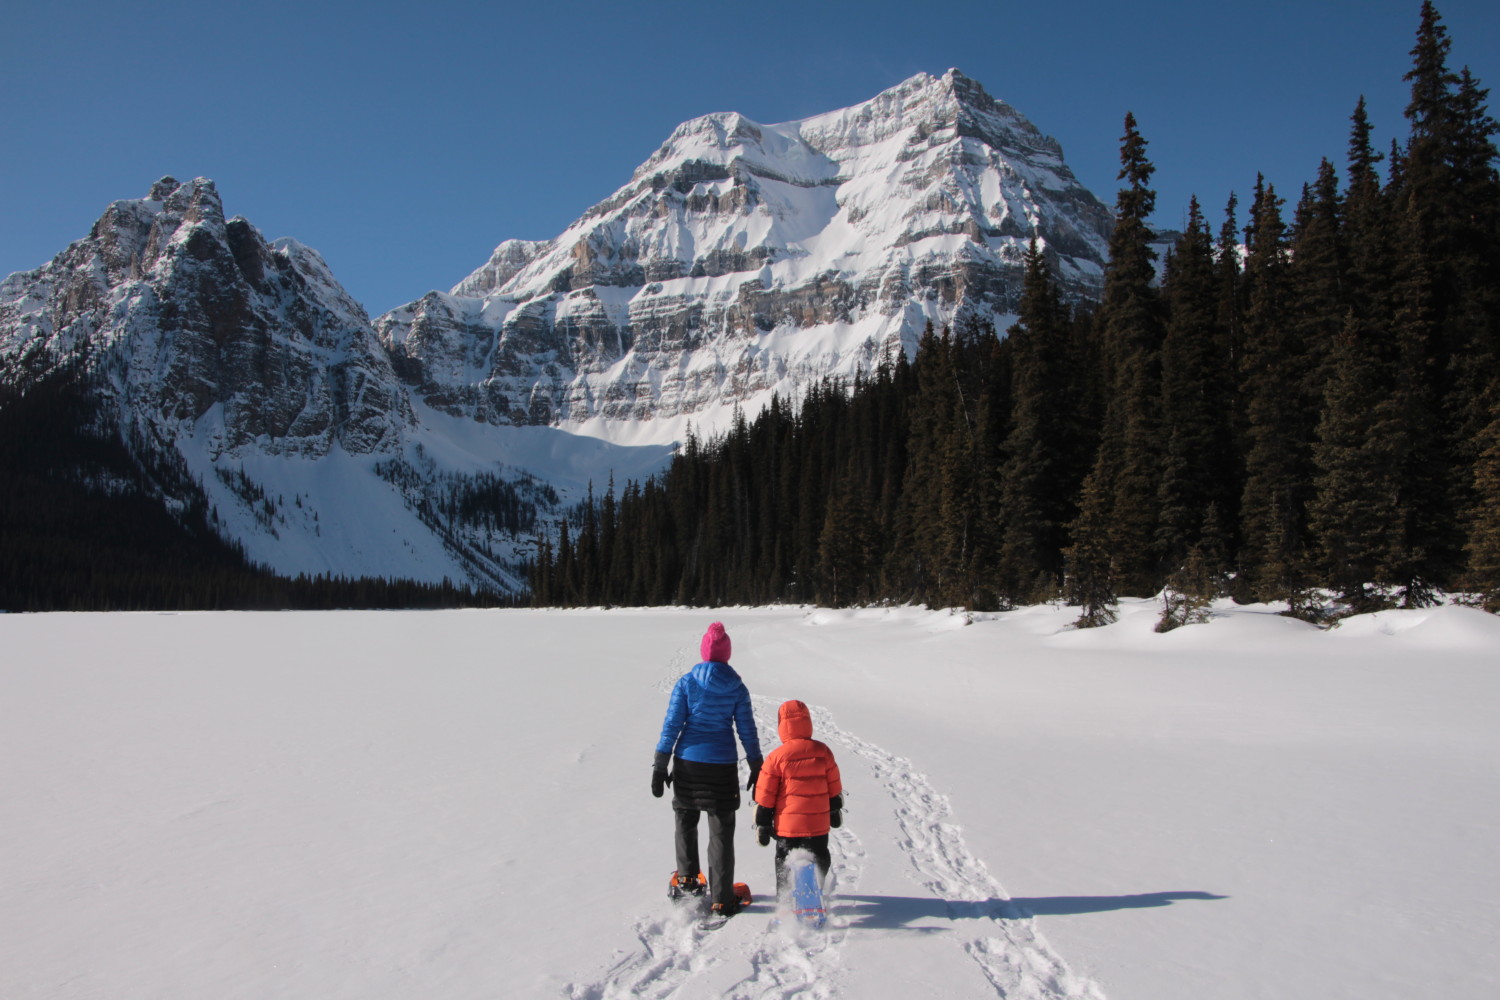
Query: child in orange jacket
(799,795)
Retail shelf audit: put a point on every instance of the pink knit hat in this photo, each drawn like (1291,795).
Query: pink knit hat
(715,645)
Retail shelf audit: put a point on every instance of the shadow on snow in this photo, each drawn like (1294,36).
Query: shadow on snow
(902,912)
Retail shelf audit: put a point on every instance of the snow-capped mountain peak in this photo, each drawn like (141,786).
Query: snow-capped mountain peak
(739,260)
(195,317)
(743,259)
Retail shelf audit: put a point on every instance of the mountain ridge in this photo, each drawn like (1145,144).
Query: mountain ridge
(736,236)
(740,261)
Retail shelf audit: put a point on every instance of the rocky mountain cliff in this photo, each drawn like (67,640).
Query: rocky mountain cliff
(199,319)
(740,260)
(250,362)
(744,258)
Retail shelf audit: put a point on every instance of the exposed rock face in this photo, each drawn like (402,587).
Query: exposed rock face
(201,324)
(741,259)
(744,258)
(504,264)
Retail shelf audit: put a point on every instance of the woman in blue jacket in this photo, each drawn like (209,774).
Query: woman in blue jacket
(696,756)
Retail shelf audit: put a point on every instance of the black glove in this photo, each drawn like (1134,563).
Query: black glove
(836,811)
(763,835)
(754,775)
(661,779)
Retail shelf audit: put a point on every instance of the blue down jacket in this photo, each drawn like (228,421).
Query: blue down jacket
(708,704)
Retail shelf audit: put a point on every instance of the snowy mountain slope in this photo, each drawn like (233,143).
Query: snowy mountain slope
(456,805)
(250,360)
(743,259)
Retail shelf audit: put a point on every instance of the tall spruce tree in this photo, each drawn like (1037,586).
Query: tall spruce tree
(1198,468)
(1090,581)
(1280,413)
(1127,465)
(1447,193)
(1039,480)
(1319,274)
(847,544)
(936,516)
(1354,515)
(991,385)
(1368,235)
(1229,269)
(1483,548)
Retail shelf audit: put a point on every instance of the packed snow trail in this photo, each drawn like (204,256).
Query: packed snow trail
(747,959)
(1015,958)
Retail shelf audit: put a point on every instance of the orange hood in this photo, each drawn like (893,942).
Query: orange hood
(793,721)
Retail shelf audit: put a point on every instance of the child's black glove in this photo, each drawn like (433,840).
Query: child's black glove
(836,811)
(763,835)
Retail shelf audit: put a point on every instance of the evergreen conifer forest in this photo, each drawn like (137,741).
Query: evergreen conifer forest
(1299,406)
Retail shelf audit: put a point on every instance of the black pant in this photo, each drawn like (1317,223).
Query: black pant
(713,789)
(818,846)
(720,850)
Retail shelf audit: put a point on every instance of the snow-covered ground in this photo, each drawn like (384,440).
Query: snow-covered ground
(456,805)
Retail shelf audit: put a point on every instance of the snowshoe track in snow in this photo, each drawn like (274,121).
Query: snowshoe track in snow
(747,960)
(1014,957)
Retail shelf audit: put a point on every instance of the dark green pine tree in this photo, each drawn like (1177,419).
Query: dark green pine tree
(1229,268)
(1354,515)
(895,386)
(1090,581)
(1428,553)
(991,386)
(1319,275)
(565,573)
(1476,378)
(1426,186)
(1475,368)
(1040,476)
(540,573)
(957,531)
(1364,162)
(816,466)
(766,434)
(1357,517)
(1483,549)
(1280,416)
(1198,468)
(586,552)
(848,543)
(1368,233)
(1127,465)
(1447,192)
(933,524)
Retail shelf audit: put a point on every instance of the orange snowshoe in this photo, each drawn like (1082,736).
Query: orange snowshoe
(679,886)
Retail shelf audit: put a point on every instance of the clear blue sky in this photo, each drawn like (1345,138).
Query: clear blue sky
(405,140)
